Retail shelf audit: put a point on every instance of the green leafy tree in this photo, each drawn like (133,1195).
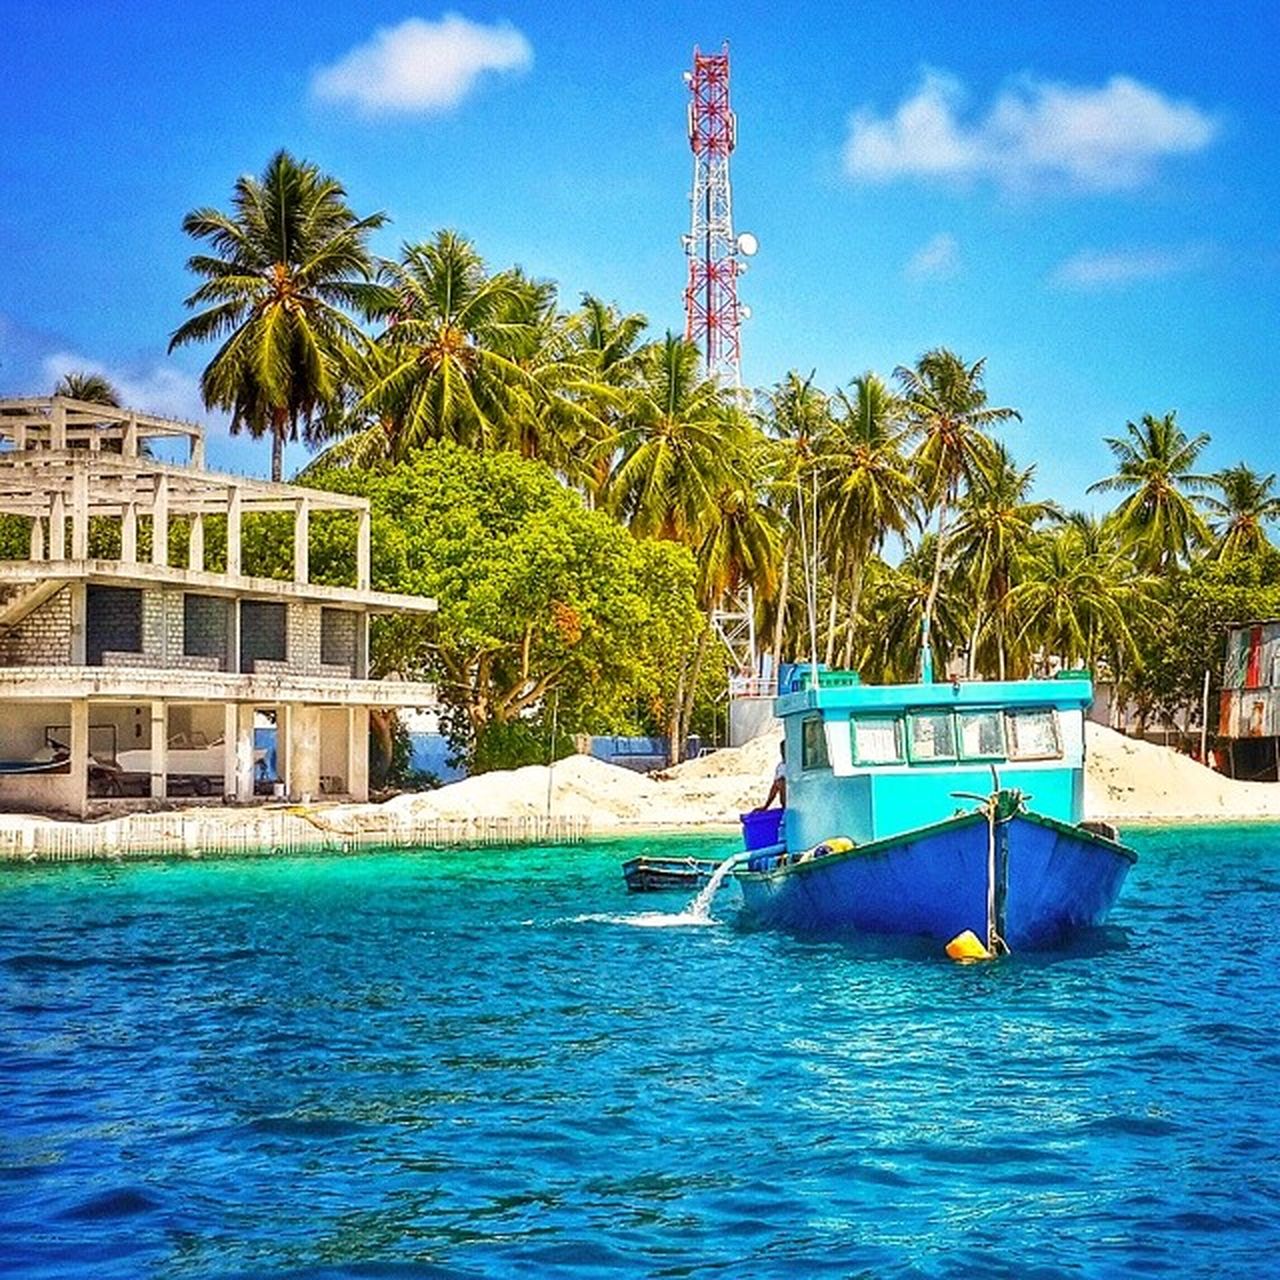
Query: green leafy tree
(1155,460)
(542,602)
(288,265)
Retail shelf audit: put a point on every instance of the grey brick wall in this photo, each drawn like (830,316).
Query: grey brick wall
(43,637)
(338,631)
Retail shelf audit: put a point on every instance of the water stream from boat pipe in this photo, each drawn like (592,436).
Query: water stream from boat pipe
(696,913)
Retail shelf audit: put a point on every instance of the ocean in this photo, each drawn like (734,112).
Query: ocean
(478,1064)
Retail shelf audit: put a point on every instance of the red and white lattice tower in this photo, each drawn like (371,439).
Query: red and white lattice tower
(713,315)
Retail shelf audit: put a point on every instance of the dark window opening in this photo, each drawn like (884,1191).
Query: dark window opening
(263,633)
(113,622)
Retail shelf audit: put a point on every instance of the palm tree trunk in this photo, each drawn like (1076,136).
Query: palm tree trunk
(691,688)
(855,606)
(831,616)
(277,445)
(780,622)
(971,663)
(926,627)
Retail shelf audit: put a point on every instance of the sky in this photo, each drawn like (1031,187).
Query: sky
(1086,195)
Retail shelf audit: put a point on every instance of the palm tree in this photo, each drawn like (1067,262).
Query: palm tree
(608,341)
(1079,600)
(1248,502)
(1158,518)
(448,364)
(870,491)
(90,388)
(796,416)
(672,446)
(288,264)
(888,649)
(996,525)
(946,403)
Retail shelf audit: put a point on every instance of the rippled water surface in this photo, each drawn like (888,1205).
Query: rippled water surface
(475,1065)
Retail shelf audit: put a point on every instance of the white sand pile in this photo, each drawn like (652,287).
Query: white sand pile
(1128,778)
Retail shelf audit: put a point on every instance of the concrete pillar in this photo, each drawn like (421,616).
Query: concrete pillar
(79,745)
(302,780)
(362,647)
(358,753)
(80,514)
(196,453)
(129,533)
(244,761)
(233,532)
(195,545)
(58,527)
(58,425)
(159,750)
(301,540)
(284,746)
(79,593)
(364,551)
(233,635)
(130,445)
(160,523)
(37,538)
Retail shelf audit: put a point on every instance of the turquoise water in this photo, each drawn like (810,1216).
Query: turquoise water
(476,1065)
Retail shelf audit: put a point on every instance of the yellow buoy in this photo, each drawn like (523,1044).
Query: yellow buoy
(966,946)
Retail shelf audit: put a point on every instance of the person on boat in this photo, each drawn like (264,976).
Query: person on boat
(779,788)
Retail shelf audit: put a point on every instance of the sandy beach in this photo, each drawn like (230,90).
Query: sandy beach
(1126,781)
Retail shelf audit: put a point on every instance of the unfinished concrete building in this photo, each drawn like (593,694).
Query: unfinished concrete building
(125,677)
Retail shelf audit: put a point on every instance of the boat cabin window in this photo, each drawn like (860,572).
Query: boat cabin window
(1033,735)
(981,735)
(877,740)
(813,744)
(931,736)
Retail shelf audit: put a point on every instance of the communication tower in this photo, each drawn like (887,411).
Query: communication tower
(713,315)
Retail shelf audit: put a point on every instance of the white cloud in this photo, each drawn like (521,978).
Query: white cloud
(1036,134)
(1094,269)
(421,67)
(936,259)
(159,389)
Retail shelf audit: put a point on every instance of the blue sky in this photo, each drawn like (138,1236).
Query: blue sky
(1085,194)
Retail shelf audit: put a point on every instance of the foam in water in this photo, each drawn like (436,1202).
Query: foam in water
(697,913)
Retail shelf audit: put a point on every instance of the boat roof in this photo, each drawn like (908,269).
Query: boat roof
(844,693)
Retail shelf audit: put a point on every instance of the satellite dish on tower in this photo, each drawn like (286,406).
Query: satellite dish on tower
(747,244)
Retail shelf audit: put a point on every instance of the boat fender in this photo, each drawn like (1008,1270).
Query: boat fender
(837,844)
(966,946)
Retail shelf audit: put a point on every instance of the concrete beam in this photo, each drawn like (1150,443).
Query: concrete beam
(160,523)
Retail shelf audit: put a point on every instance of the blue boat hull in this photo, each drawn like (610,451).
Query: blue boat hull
(1052,878)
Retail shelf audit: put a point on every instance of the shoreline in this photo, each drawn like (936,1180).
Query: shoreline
(1128,783)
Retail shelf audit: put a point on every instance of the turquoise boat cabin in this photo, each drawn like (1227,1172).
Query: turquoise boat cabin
(870,761)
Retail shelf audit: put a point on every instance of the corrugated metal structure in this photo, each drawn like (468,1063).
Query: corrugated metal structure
(1249,710)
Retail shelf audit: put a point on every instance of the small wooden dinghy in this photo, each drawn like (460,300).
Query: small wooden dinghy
(647,873)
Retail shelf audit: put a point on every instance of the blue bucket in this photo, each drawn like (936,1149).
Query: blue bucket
(761,828)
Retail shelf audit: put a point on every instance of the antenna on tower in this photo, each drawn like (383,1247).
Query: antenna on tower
(712,314)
